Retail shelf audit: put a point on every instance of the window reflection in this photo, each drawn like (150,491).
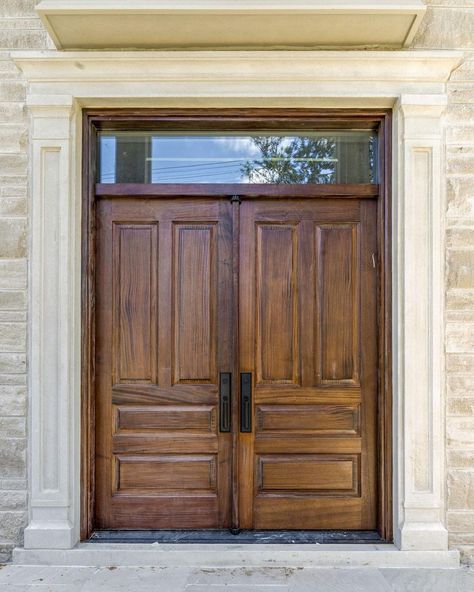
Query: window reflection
(318,157)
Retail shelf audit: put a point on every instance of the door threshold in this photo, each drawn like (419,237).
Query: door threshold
(248,537)
(212,556)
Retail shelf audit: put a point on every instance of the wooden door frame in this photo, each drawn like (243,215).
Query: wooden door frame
(242,120)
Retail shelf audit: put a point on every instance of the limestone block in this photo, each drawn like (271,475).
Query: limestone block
(460,337)
(461,406)
(461,92)
(12,500)
(21,8)
(447,28)
(13,484)
(12,427)
(461,521)
(460,114)
(13,300)
(12,90)
(12,459)
(460,299)
(460,386)
(22,39)
(10,316)
(13,237)
(13,206)
(12,363)
(460,197)
(460,459)
(461,490)
(460,160)
(465,72)
(460,134)
(13,112)
(460,362)
(13,400)
(460,432)
(15,164)
(460,265)
(12,524)
(12,337)
(11,190)
(13,274)
(15,379)
(13,138)
(460,237)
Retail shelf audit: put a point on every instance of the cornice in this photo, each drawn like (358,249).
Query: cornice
(380,66)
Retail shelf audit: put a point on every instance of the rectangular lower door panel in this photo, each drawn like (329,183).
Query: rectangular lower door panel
(166,473)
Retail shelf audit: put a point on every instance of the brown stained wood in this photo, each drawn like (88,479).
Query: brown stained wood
(308,474)
(337,420)
(337,298)
(135,252)
(194,287)
(337,334)
(159,349)
(276,260)
(195,418)
(336,204)
(253,191)
(166,473)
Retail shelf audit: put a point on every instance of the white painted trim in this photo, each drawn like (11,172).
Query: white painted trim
(413,82)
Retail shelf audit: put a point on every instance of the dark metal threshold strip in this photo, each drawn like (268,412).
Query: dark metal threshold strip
(294,537)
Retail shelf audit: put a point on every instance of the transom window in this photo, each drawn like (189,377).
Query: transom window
(319,157)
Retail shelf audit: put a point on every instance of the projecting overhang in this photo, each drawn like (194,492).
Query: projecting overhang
(174,24)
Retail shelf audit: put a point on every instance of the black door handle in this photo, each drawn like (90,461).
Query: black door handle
(225,379)
(246,402)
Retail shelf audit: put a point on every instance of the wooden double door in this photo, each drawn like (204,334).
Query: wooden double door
(236,363)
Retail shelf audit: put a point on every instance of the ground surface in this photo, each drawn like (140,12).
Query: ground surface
(15,578)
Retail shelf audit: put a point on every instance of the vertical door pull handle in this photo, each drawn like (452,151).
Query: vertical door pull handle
(225,379)
(246,402)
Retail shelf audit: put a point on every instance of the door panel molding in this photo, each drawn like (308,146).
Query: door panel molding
(185,119)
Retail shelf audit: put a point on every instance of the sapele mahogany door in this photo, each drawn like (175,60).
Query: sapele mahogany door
(167,315)
(163,336)
(308,337)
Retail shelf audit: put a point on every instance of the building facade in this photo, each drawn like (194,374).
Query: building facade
(428,85)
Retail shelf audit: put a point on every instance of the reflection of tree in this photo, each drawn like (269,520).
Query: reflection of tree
(292,160)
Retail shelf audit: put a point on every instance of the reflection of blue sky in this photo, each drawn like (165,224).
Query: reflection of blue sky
(200,159)
(194,158)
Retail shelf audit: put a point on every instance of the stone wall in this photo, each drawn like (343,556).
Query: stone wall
(448,24)
(19,29)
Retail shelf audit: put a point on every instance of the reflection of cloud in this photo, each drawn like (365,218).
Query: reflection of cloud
(241,145)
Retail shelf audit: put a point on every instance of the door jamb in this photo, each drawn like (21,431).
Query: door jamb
(242,119)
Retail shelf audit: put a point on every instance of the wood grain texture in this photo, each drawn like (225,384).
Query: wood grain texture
(320,268)
(202,513)
(337,294)
(277,326)
(135,256)
(162,336)
(318,475)
(195,307)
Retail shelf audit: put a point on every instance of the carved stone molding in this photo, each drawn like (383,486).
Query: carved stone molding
(413,83)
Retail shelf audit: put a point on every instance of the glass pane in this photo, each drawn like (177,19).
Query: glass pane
(314,157)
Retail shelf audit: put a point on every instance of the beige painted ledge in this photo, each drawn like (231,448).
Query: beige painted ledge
(154,24)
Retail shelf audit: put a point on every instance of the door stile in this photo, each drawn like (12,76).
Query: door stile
(235,204)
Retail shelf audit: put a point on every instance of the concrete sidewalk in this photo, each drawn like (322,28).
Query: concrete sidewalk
(16,578)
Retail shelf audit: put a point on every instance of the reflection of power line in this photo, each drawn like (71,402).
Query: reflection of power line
(155,162)
(195,175)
